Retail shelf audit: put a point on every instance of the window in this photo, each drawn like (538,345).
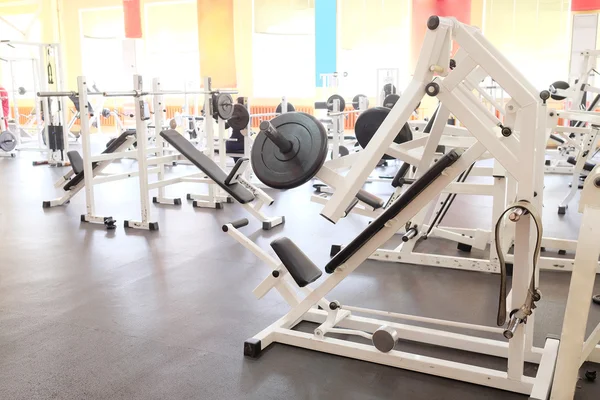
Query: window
(22,28)
(102,48)
(533,35)
(284,48)
(171,34)
(373,34)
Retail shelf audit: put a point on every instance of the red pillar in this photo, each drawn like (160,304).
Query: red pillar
(133,19)
(423,9)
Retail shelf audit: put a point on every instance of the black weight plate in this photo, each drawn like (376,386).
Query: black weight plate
(388,89)
(356,101)
(240,118)
(290,108)
(286,171)
(370,120)
(338,97)
(8,141)
(390,100)
(223,105)
(559,85)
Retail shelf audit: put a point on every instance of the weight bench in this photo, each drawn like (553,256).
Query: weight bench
(233,184)
(74,181)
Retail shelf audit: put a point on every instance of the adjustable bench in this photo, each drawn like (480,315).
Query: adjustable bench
(77,161)
(207,165)
(74,181)
(233,183)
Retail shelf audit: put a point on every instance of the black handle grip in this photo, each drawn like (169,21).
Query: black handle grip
(236,224)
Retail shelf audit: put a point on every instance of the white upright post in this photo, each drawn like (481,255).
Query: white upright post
(209,131)
(142,143)
(60,77)
(160,143)
(88,169)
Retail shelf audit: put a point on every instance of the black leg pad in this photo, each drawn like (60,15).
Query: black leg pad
(300,267)
(45,204)
(464,247)
(562,210)
(252,348)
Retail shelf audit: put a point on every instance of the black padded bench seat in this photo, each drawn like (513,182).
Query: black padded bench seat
(77,161)
(374,227)
(206,165)
(296,262)
(588,166)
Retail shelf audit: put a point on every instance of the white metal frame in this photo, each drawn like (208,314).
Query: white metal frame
(574,348)
(527,118)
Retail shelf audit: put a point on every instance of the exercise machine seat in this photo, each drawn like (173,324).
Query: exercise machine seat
(114,146)
(76,161)
(393,210)
(206,165)
(588,166)
(296,262)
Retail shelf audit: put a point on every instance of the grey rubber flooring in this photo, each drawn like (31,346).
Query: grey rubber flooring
(87,313)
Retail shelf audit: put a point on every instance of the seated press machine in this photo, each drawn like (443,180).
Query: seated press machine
(517,145)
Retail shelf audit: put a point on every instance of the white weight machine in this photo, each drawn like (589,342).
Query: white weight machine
(48,73)
(574,348)
(515,145)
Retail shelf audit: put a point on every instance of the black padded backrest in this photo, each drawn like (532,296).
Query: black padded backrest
(112,147)
(392,211)
(76,161)
(206,165)
(300,267)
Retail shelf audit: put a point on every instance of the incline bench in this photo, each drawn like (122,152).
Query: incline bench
(243,192)
(77,161)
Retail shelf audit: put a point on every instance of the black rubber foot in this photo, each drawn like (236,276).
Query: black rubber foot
(464,247)
(596,299)
(153,226)
(230,200)
(126,224)
(252,348)
(548,162)
(562,210)
(590,375)
(219,206)
(335,248)
(45,204)
(440,149)
(542,249)
(194,203)
(188,196)
(83,218)
(509,269)
(154,200)
(177,201)
(562,252)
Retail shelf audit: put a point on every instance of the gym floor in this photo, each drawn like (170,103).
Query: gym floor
(87,313)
